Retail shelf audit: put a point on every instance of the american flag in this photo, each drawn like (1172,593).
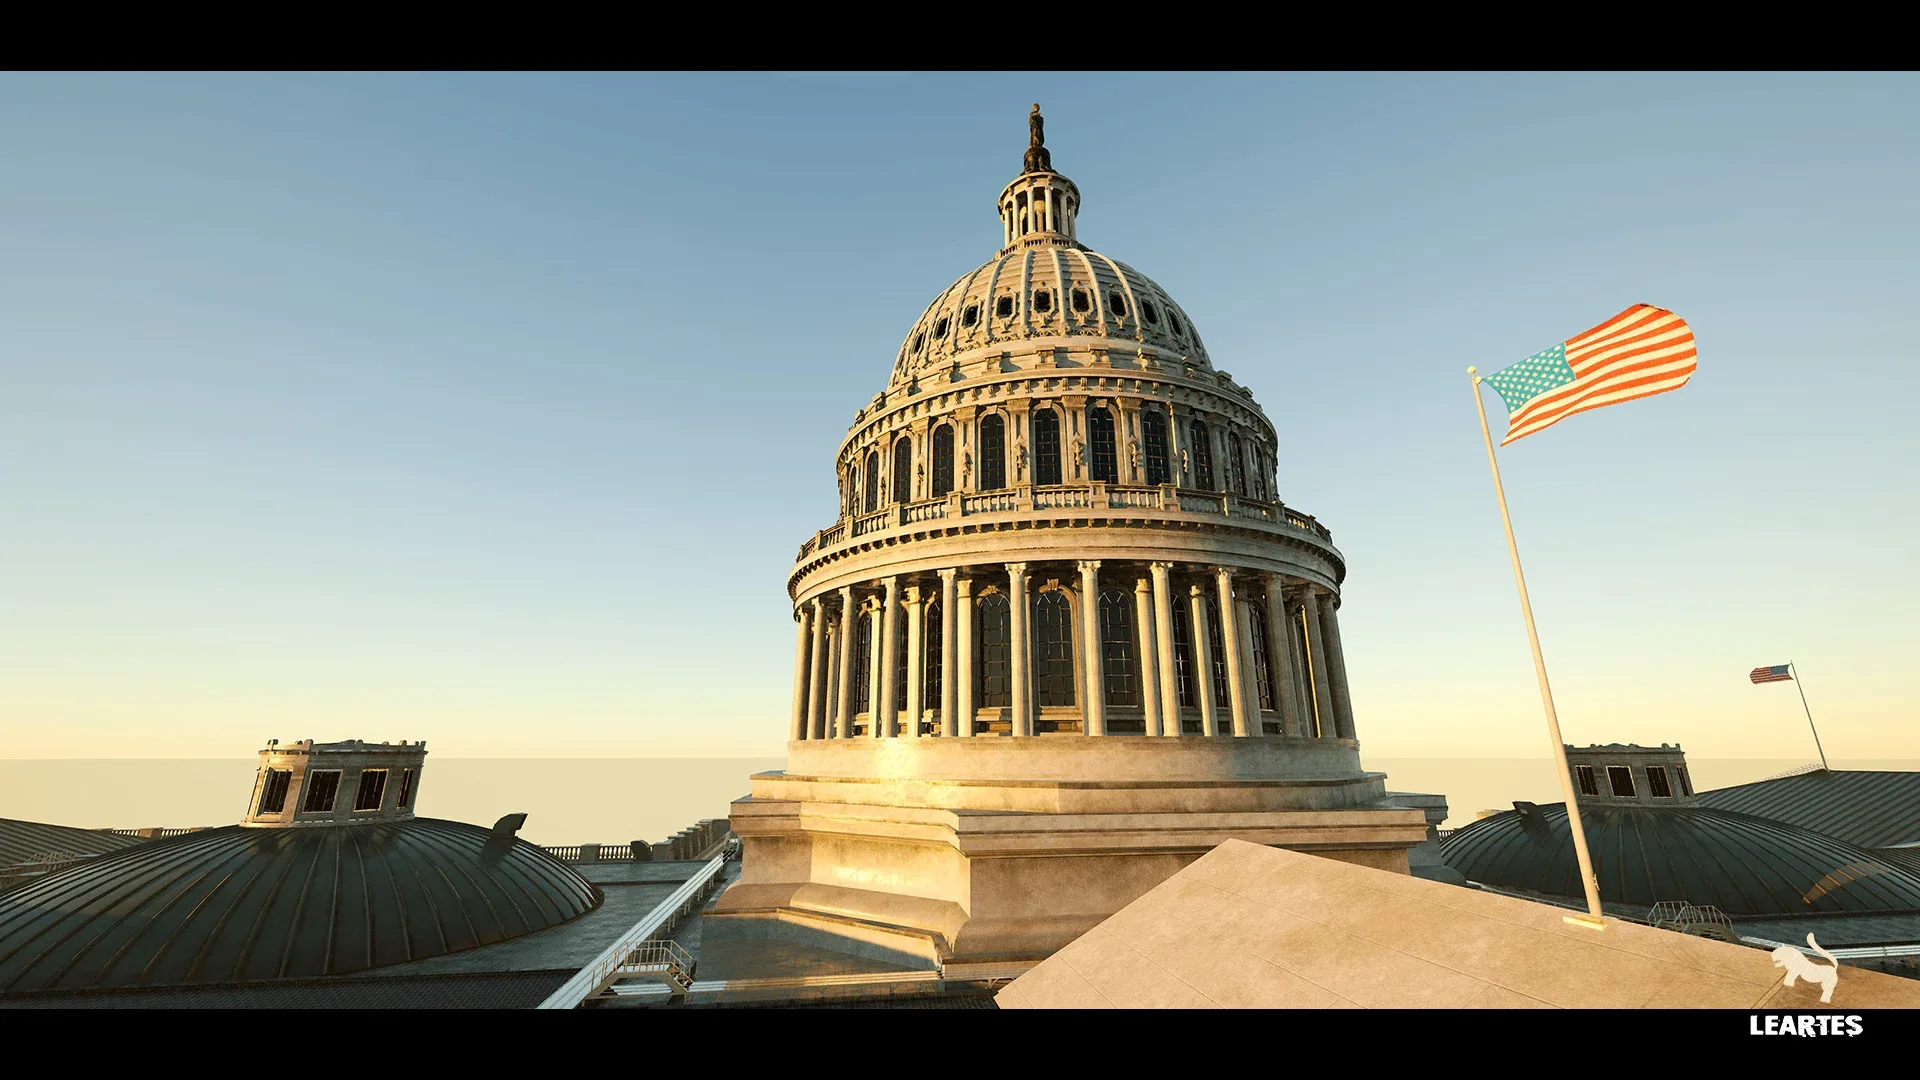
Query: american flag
(1776,673)
(1640,352)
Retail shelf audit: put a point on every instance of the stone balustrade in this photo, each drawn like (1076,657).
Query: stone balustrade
(1164,499)
(689,843)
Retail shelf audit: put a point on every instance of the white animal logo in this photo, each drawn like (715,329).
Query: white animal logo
(1799,966)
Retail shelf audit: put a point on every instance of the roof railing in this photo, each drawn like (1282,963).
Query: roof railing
(591,981)
(1801,771)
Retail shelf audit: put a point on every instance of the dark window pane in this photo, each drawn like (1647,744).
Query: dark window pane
(900,659)
(940,328)
(1686,785)
(1183,653)
(1153,432)
(903,470)
(1117,304)
(1102,463)
(942,460)
(1152,314)
(1621,778)
(971,315)
(1043,302)
(1262,673)
(996,654)
(1046,447)
(1118,649)
(1657,782)
(1081,301)
(273,794)
(406,789)
(1003,307)
(322,787)
(993,453)
(1221,700)
(1588,785)
(873,482)
(1202,457)
(1236,469)
(862,663)
(933,637)
(373,786)
(1053,650)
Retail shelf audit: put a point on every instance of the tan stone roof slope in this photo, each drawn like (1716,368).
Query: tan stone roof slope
(1256,927)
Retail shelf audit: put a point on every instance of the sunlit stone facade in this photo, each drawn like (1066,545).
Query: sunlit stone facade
(1063,636)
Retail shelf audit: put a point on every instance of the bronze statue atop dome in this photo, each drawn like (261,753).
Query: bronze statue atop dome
(1038,160)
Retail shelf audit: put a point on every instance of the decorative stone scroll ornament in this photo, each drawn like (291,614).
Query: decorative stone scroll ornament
(1020,459)
(1185,469)
(966,468)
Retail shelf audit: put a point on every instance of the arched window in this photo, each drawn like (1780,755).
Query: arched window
(1102,460)
(1236,467)
(933,638)
(1262,669)
(1053,649)
(995,624)
(1221,699)
(993,453)
(903,470)
(942,460)
(1202,457)
(1153,432)
(862,652)
(1183,656)
(1046,447)
(1119,651)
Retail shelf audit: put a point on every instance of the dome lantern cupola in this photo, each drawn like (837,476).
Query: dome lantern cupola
(1040,205)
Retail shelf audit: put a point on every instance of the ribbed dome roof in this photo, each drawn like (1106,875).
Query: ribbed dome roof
(235,904)
(1120,303)
(1741,864)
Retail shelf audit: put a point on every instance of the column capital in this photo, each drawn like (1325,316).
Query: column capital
(1273,578)
(964,585)
(846,592)
(912,598)
(1196,589)
(1017,569)
(1088,566)
(1143,584)
(948,574)
(1162,567)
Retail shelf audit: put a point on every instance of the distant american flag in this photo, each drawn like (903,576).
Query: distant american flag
(1776,673)
(1640,352)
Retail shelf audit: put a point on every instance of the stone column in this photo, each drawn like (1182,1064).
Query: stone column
(1336,668)
(1323,716)
(870,611)
(1230,641)
(1022,660)
(1280,657)
(1148,664)
(1250,665)
(949,677)
(817,697)
(845,729)
(797,730)
(1096,706)
(916,662)
(960,676)
(1163,635)
(1202,659)
(883,710)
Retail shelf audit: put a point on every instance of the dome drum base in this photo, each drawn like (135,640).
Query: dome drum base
(935,872)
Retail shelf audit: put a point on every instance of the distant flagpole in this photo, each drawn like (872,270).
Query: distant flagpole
(1809,712)
(1593,916)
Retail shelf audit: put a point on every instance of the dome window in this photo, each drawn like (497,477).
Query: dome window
(1003,307)
(970,316)
(273,794)
(940,328)
(321,789)
(373,788)
(1082,302)
(1117,304)
(1152,315)
(1043,302)
(1173,320)
(1620,779)
(919,340)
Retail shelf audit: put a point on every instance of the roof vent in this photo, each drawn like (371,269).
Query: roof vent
(506,827)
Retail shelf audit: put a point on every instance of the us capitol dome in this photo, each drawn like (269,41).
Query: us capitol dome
(1062,637)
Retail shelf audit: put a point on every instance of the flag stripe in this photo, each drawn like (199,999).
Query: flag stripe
(1638,353)
(1643,384)
(1775,673)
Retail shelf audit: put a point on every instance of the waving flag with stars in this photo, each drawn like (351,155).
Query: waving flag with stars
(1640,352)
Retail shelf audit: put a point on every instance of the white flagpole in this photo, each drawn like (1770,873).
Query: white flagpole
(1593,917)
(1803,704)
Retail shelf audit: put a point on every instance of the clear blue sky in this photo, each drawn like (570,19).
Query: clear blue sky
(491,409)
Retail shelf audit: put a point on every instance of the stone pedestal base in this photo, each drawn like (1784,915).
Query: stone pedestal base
(857,848)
